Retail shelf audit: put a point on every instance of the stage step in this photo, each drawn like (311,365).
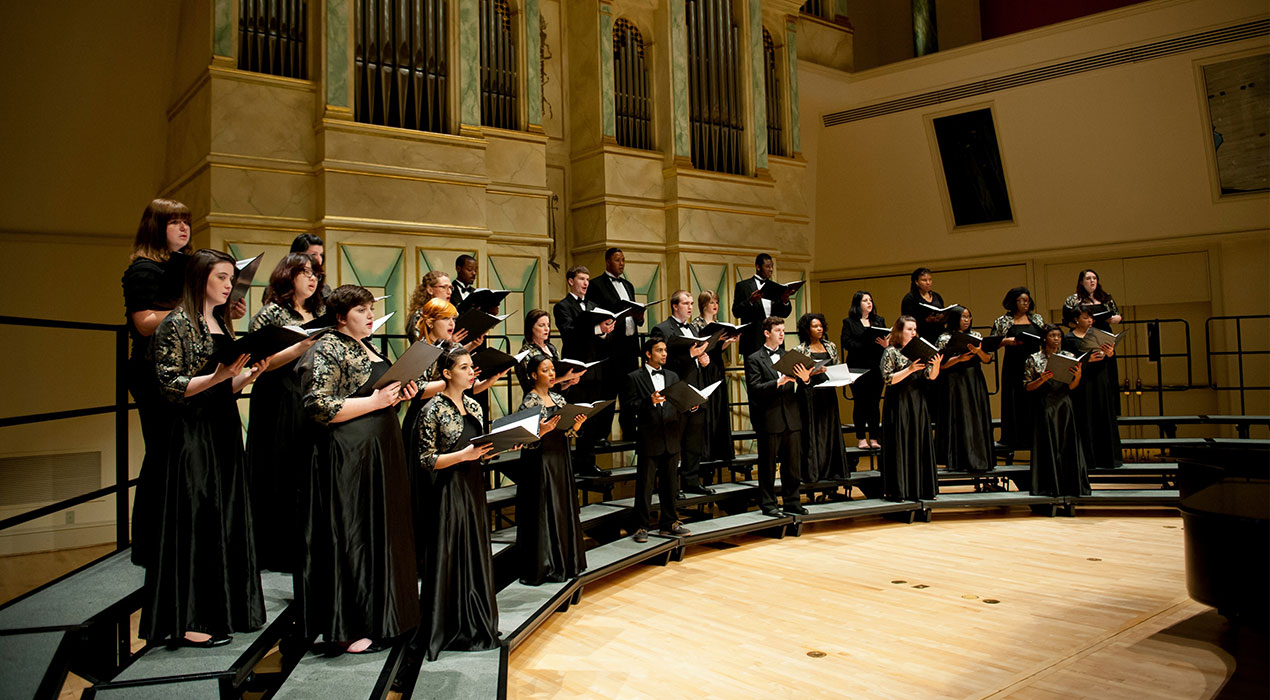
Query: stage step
(108,584)
(198,689)
(1129,497)
(463,675)
(521,608)
(989,499)
(35,664)
(622,553)
(351,676)
(231,662)
(722,492)
(729,525)
(853,509)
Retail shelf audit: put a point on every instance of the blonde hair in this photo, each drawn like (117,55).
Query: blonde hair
(433,310)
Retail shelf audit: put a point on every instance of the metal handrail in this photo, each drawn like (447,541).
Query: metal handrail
(1238,352)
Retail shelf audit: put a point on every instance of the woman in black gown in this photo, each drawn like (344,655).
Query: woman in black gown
(538,344)
(204,581)
(920,291)
(277,456)
(824,454)
(457,603)
(1058,461)
(1016,406)
(548,533)
(150,291)
(1090,294)
(1096,399)
(718,445)
(963,426)
(908,450)
(864,347)
(357,583)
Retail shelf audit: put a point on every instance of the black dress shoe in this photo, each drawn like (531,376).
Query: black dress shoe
(771,512)
(676,529)
(594,472)
(700,490)
(680,496)
(641,535)
(215,641)
(795,510)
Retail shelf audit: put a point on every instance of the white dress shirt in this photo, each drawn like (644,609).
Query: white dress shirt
(621,294)
(767,303)
(658,376)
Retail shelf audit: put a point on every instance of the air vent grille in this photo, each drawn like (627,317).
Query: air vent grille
(48,478)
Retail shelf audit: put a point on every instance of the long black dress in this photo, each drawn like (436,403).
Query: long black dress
(204,577)
(459,612)
(908,450)
(1058,461)
(824,454)
(963,424)
(911,305)
(1112,369)
(358,577)
(1096,401)
(717,444)
(548,532)
(278,454)
(144,290)
(1016,405)
(863,353)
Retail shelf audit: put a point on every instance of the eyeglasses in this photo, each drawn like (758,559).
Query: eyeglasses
(307,273)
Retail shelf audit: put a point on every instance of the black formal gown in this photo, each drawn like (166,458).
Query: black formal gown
(1058,460)
(863,353)
(1112,368)
(459,612)
(278,455)
(911,305)
(908,450)
(359,579)
(824,454)
(204,577)
(1096,401)
(963,424)
(144,290)
(548,532)
(1016,405)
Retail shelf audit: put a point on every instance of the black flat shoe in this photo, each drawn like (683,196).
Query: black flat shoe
(214,641)
(771,512)
(700,490)
(374,647)
(795,510)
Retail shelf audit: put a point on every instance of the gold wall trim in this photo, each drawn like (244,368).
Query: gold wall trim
(509,238)
(281,167)
(323,169)
(695,174)
(534,193)
(243,76)
(799,219)
(619,200)
(608,150)
(681,204)
(351,127)
(348,223)
(794,161)
(513,135)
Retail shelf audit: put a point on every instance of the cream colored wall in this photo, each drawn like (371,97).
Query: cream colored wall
(1109,169)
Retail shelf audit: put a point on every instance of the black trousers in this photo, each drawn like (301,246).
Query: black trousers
(595,429)
(866,394)
(691,475)
(770,445)
(662,468)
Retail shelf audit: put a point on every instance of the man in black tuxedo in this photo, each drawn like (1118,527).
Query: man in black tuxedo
(777,422)
(464,279)
(586,341)
(687,361)
(750,307)
(658,432)
(608,291)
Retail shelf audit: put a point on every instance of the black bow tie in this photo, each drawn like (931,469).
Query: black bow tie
(776,353)
(659,373)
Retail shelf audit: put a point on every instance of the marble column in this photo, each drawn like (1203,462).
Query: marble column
(791,61)
(608,111)
(337,47)
(679,80)
(759,85)
(925,28)
(224,29)
(533,65)
(469,68)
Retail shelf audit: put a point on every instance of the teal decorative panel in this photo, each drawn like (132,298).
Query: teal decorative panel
(791,60)
(223,16)
(679,78)
(336,47)
(469,64)
(533,62)
(382,270)
(608,111)
(436,259)
(759,90)
(703,276)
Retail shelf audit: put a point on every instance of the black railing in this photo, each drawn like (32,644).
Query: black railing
(1155,355)
(120,409)
(1238,353)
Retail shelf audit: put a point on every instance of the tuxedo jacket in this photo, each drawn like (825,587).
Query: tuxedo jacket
(772,409)
(624,354)
(658,429)
(458,292)
(679,360)
(580,342)
(752,313)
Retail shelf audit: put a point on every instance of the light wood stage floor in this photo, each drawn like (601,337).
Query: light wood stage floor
(969,606)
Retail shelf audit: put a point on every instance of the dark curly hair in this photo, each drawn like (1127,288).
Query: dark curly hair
(1010,302)
(804,326)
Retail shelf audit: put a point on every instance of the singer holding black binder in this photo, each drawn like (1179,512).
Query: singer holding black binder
(751,306)
(688,361)
(658,436)
(824,454)
(356,586)
(930,323)
(1058,460)
(963,423)
(864,338)
(777,419)
(278,431)
(1016,406)
(457,603)
(1102,306)
(908,450)
(204,581)
(1097,398)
